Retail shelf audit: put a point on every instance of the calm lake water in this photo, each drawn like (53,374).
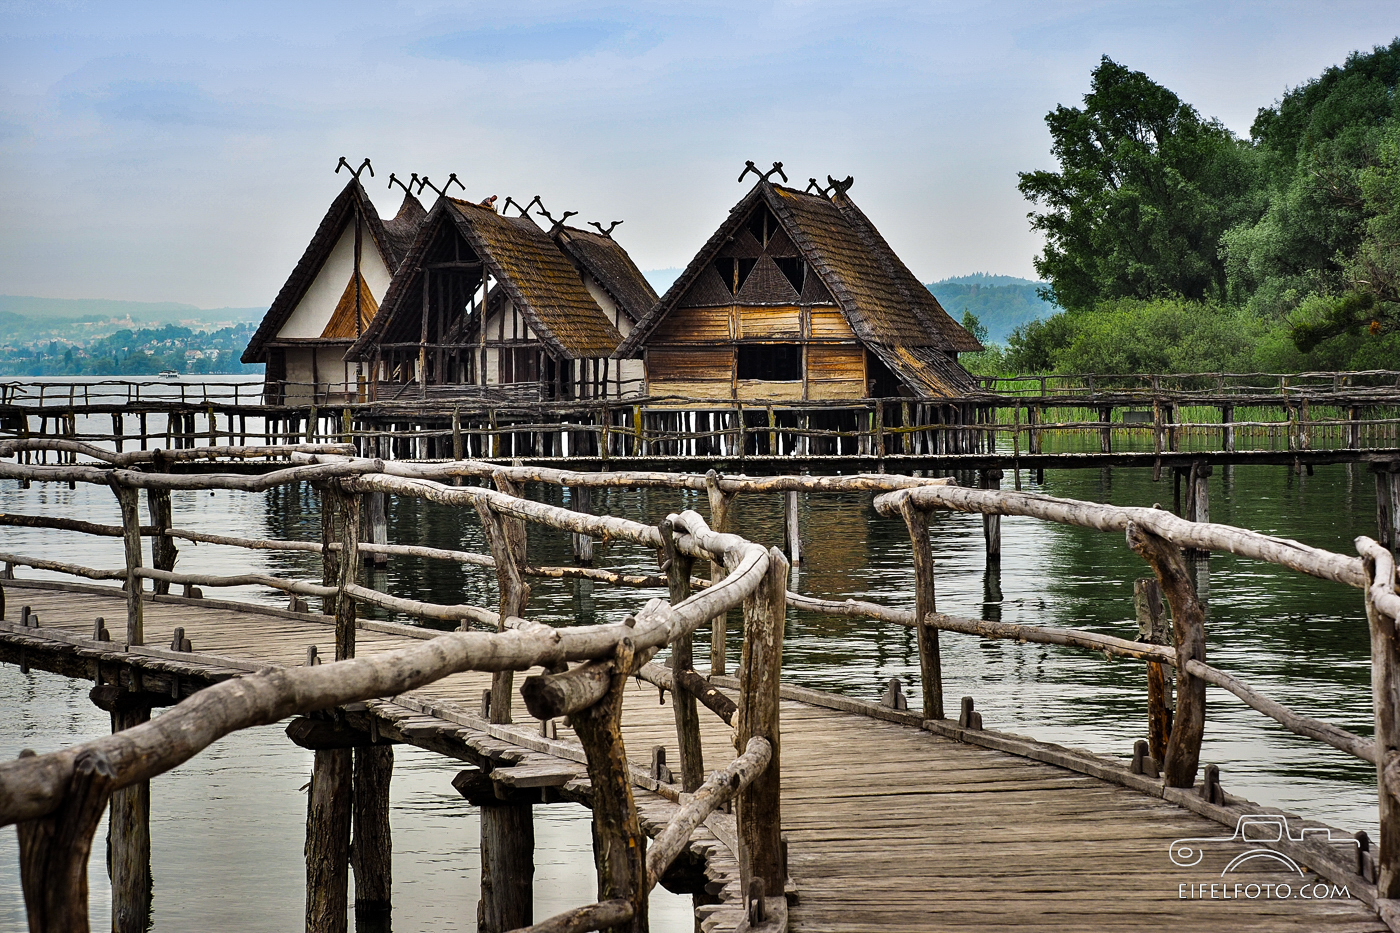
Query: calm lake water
(228,826)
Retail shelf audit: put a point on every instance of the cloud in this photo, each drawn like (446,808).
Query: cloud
(159,103)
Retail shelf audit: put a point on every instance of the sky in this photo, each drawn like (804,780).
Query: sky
(186,152)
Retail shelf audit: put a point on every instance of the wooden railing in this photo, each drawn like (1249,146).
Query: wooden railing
(1031,415)
(54,787)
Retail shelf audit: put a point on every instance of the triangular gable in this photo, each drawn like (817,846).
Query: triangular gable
(342,324)
(611,267)
(853,266)
(338,216)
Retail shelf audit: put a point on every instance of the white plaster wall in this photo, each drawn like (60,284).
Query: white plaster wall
(313,312)
(620,320)
(633,374)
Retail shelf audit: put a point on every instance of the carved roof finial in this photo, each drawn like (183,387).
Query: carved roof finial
(354,171)
(608,232)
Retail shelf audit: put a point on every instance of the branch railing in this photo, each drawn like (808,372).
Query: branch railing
(744,572)
(49,795)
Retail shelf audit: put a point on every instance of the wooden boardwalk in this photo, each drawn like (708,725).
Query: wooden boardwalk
(893,825)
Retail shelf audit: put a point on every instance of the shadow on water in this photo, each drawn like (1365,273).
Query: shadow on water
(1304,642)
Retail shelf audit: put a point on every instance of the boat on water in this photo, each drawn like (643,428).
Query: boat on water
(169,374)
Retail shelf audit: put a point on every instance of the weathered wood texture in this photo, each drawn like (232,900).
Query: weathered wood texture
(507,867)
(129,836)
(328,821)
(930,661)
(1021,844)
(371,851)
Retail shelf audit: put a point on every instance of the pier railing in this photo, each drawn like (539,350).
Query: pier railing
(1015,416)
(744,574)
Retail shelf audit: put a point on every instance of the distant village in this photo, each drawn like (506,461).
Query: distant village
(796,297)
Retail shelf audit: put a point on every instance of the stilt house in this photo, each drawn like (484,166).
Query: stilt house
(797,297)
(332,294)
(557,305)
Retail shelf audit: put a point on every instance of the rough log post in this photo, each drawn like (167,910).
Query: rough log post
(583,544)
(1227,428)
(507,867)
(328,819)
(372,852)
(720,504)
(678,569)
(930,664)
(618,843)
(1183,753)
(348,505)
(163,550)
(506,537)
(1105,432)
(1385,693)
(991,524)
(129,825)
(792,527)
(129,500)
(759,807)
(330,559)
(1152,629)
(378,524)
(1200,493)
(53,850)
(1353,427)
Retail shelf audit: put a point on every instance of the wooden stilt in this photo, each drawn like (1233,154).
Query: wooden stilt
(328,820)
(129,825)
(378,524)
(131,535)
(1183,753)
(930,663)
(720,505)
(991,524)
(372,851)
(1152,628)
(163,549)
(507,867)
(792,527)
(759,805)
(506,537)
(583,544)
(678,570)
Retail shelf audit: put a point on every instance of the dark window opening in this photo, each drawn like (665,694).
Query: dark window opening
(794,269)
(520,364)
(762,224)
(734,272)
(773,362)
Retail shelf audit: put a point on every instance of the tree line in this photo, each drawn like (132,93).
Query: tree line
(1172,245)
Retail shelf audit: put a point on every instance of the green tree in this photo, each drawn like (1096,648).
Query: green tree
(1145,189)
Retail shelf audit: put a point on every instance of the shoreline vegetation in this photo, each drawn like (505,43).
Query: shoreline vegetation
(1174,246)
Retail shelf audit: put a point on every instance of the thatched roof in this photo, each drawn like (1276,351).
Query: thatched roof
(609,264)
(882,300)
(388,239)
(528,267)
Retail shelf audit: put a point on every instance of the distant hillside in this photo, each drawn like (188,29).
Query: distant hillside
(1001,302)
(25,317)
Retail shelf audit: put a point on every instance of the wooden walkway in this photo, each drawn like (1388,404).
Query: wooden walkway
(893,825)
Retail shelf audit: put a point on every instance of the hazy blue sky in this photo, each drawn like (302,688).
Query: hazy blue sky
(184,152)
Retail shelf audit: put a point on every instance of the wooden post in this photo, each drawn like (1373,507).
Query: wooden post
(330,560)
(759,805)
(507,867)
(991,524)
(129,824)
(1227,428)
(129,501)
(583,544)
(720,504)
(1388,505)
(54,849)
(1183,752)
(792,527)
(163,550)
(1385,694)
(1105,431)
(348,571)
(678,570)
(378,524)
(372,851)
(506,537)
(619,846)
(930,664)
(1353,427)
(328,819)
(1152,629)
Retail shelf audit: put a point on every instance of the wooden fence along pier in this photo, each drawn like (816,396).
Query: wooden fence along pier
(732,794)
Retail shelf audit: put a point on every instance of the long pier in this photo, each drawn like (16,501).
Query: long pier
(907,814)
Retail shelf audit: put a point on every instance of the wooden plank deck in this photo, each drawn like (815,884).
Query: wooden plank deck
(892,827)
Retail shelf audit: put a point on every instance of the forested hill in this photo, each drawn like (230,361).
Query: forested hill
(1001,303)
